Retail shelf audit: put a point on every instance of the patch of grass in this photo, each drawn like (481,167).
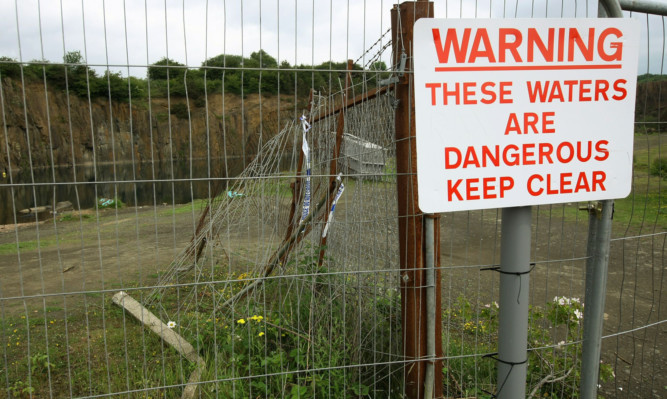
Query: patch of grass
(69,217)
(646,205)
(279,187)
(642,209)
(24,246)
(659,167)
(196,205)
(93,351)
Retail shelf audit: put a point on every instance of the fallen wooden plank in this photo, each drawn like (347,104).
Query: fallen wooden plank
(37,209)
(60,206)
(147,318)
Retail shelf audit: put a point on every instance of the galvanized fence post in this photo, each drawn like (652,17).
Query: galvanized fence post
(513,317)
(597,264)
(599,234)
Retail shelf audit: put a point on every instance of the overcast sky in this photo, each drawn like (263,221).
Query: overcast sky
(139,32)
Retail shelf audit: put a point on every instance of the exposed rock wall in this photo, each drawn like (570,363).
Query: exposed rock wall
(44,127)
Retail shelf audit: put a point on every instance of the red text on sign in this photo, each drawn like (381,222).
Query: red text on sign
(576,90)
(511,45)
(478,188)
(566,183)
(530,122)
(467,93)
(525,154)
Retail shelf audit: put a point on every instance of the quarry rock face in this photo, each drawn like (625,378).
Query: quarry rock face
(47,127)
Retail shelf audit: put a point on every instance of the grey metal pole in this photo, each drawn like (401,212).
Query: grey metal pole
(599,235)
(429,374)
(597,265)
(513,317)
(645,6)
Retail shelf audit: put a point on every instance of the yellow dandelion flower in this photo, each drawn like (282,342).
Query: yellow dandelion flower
(261,334)
(241,321)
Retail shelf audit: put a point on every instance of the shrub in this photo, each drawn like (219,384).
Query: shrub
(166,68)
(180,110)
(303,346)
(9,67)
(659,167)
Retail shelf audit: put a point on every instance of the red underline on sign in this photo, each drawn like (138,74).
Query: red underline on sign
(526,68)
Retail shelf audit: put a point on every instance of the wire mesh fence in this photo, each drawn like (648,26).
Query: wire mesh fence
(155,152)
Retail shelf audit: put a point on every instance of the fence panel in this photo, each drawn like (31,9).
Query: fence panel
(157,149)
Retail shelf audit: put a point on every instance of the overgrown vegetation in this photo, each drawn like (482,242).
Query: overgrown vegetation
(553,372)
(318,334)
(167,77)
(649,77)
(309,336)
(77,350)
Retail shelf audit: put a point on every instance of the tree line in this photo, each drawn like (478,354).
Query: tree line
(258,73)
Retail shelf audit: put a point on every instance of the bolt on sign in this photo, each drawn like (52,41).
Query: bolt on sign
(517,112)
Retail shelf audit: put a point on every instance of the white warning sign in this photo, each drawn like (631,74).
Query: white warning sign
(523,112)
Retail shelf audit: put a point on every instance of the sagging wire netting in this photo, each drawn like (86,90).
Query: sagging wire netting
(298,255)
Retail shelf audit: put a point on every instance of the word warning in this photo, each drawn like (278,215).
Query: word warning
(523,112)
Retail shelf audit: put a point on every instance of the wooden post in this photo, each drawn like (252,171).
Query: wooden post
(410,218)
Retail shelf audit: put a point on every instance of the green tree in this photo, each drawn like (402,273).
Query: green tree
(9,67)
(214,65)
(166,68)
(80,78)
(263,59)
(286,79)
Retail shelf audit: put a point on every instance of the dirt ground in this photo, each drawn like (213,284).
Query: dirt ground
(83,252)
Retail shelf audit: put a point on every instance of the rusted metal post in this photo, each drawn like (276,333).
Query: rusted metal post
(410,218)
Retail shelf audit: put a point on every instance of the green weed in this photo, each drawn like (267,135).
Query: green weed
(474,330)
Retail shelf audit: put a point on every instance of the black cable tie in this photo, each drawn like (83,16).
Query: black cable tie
(496,268)
(494,356)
